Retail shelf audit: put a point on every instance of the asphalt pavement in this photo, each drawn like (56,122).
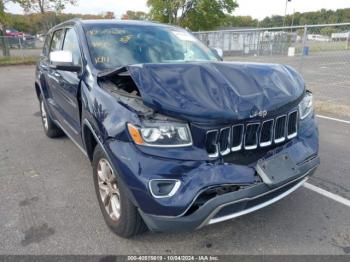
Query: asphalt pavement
(48,203)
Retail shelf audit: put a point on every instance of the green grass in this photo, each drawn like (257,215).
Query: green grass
(18,60)
(315,46)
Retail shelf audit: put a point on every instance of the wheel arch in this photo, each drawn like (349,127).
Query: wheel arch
(90,139)
(37,89)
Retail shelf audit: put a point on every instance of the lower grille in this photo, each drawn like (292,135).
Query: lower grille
(252,135)
(242,205)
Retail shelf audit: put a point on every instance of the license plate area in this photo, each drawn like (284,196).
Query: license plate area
(277,169)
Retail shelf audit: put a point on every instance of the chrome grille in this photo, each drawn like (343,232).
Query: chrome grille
(252,135)
(224,141)
(292,124)
(280,129)
(211,143)
(237,137)
(266,133)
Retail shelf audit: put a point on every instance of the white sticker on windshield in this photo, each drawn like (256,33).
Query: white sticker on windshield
(184,36)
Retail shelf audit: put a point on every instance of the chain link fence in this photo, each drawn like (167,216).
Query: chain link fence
(321,53)
(19,48)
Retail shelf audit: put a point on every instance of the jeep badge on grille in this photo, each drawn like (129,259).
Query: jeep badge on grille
(262,113)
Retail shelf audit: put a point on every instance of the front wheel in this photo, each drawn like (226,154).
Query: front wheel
(118,211)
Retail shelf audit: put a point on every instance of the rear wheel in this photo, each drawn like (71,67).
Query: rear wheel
(50,128)
(118,211)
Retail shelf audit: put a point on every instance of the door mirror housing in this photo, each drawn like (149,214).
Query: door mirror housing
(218,52)
(63,60)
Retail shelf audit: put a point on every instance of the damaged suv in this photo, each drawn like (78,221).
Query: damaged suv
(177,138)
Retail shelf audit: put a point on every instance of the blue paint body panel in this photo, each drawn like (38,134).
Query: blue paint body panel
(206,95)
(216,91)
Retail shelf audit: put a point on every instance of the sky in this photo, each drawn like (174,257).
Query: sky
(255,8)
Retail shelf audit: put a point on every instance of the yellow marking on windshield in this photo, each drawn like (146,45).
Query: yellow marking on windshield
(99,44)
(102,59)
(92,32)
(125,39)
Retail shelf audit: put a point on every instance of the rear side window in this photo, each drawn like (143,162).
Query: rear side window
(71,44)
(56,40)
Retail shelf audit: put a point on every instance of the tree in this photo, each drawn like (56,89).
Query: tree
(3,22)
(273,21)
(3,15)
(47,8)
(194,14)
(328,31)
(132,15)
(44,6)
(239,21)
(108,15)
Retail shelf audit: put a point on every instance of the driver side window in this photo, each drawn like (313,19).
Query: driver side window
(56,40)
(71,44)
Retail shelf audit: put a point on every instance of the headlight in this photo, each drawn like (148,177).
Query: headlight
(161,134)
(305,106)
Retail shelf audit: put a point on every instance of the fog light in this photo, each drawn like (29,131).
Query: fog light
(161,188)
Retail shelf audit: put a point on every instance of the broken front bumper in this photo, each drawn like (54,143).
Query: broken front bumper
(233,204)
(256,188)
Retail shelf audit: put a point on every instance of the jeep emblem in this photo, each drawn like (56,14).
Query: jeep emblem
(262,113)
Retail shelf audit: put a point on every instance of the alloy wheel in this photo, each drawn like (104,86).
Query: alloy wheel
(108,188)
(44,116)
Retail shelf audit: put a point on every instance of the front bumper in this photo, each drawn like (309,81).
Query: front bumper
(231,205)
(137,168)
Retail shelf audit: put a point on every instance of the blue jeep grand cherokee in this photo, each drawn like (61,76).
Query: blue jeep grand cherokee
(177,138)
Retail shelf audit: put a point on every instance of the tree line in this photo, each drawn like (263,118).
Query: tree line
(196,15)
(201,15)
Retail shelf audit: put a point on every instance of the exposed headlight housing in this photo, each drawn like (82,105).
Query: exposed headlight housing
(306,105)
(161,134)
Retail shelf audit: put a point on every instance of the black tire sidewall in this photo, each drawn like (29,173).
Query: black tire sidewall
(52,129)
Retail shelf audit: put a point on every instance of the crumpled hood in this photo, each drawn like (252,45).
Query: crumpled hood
(216,91)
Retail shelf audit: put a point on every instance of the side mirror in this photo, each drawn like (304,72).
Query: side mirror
(218,52)
(63,60)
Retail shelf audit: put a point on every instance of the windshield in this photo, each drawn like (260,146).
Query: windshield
(114,45)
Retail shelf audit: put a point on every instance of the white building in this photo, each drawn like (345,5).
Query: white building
(320,38)
(341,36)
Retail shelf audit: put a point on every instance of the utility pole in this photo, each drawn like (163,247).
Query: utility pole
(285,12)
(293,17)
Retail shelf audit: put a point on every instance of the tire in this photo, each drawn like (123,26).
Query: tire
(50,128)
(119,213)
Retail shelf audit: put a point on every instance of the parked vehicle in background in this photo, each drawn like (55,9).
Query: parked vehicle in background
(177,138)
(13,33)
(18,39)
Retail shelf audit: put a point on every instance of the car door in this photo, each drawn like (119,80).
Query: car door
(53,76)
(67,86)
(43,66)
